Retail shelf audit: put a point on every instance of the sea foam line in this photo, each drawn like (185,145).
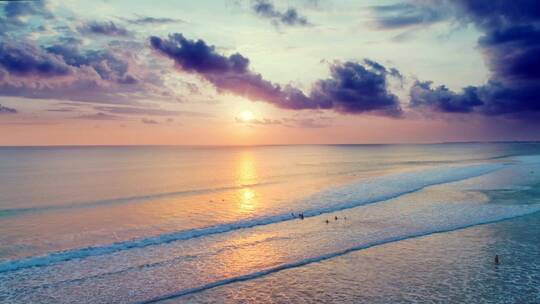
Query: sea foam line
(321,258)
(347,197)
(148,265)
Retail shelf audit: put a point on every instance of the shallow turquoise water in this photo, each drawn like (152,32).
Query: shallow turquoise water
(455,267)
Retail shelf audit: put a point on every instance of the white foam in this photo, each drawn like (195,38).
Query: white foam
(241,255)
(355,194)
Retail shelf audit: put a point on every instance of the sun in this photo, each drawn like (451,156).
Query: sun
(246,116)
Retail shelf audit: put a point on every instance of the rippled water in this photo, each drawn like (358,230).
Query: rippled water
(382,223)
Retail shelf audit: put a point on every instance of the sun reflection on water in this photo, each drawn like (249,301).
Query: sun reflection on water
(246,173)
(247,200)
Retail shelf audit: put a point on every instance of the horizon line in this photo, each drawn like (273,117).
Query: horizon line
(266,145)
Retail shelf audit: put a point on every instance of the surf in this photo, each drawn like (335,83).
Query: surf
(526,210)
(363,192)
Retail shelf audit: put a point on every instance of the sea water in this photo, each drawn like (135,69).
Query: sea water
(381,224)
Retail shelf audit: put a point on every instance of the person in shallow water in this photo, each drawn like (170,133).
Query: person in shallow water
(301,216)
(497,261)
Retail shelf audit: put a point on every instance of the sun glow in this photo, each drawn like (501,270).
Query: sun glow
(246,116)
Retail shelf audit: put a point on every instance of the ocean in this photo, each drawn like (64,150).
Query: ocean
(379,224)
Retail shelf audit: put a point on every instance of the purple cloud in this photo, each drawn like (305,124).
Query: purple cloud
(27,59)
(7,110)
(444,100)
(352,88)
(15,13)
(66,71)
(107,65)
(510,43)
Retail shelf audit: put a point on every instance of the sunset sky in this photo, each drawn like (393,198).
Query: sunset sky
(237,72)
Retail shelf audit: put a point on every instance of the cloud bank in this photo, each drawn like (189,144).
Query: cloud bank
(102,69)
(104,62)
(510,43)
(352,88)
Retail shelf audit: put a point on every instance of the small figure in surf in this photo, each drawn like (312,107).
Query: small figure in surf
(327,221)
(497,260)
(301,216)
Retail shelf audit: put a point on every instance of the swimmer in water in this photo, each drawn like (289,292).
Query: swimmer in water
(497,261)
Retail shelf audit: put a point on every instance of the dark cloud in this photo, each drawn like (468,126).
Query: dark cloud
(67,71)
(379,67)
(15,13)
(108,66)
(28,59)
(197,56)
(495,14)
(352,87)
(356,88)
(142,20)
(290,17)
(7,110)
(513,53)
(444,100)
(104,70)
(104,28)
(510,43)
(410,14)
(63,72)
(16,9)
